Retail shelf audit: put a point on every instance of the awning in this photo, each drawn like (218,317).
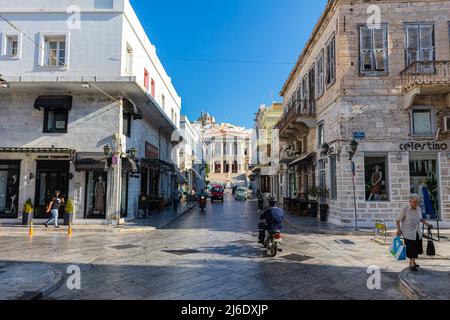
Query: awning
(131,108)
(303,158)
(37,150)
(158,164)
(130,165)
(53,102)
(91,162)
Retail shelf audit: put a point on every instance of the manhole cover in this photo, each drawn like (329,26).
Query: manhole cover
(182,252)
(125,246)
(345,241)
(297,257)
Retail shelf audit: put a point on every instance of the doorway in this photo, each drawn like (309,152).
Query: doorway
(50,177)
(96,188)
(9,188)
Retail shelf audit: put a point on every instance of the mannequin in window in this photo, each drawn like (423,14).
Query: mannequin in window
(427,203)
(99,195)
(377,177)
(13,190)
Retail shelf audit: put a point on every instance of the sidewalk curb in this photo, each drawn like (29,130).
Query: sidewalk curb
(178,216)
(408,289)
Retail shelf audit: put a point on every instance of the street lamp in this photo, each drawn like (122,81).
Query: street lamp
(353,148)
(132,152)
(107,150)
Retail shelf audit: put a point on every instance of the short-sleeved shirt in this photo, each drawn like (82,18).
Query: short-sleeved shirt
(56,204)
(410,220)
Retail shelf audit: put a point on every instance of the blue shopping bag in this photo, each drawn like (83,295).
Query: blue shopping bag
(397,249)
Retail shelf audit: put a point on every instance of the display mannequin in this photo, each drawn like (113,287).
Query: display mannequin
(13,191)
(377,177)
(99,195)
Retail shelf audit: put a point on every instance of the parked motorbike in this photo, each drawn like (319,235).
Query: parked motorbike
(202,203)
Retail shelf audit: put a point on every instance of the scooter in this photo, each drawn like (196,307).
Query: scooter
(273,243)
(202,203)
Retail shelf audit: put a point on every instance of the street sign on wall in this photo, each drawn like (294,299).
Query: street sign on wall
(359,135)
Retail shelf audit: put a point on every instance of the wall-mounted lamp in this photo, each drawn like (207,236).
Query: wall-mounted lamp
(107,150)
(353,148)
(132,152)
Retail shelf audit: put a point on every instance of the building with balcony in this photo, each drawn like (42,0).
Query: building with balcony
(86,108)
(384,86)
(265,120)
(229,151)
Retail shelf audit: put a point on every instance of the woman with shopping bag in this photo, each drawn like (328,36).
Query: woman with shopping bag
(408,225)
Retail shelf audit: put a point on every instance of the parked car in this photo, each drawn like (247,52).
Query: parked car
(217,193)
(241,193)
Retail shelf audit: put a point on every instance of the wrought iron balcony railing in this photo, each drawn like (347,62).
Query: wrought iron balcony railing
(422,73)
(294,110)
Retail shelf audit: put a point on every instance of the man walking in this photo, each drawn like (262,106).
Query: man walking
(53,207)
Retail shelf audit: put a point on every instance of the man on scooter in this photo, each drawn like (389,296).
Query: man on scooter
(274,217)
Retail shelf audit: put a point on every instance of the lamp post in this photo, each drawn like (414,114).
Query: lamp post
(352,152)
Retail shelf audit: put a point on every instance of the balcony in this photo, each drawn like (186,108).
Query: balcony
(297,113)
(425,78)
(426,74)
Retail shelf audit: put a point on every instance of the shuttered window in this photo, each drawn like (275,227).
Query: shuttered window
(419,43)
(312,90)
(319,75)
(373,51)
(331,61)
(305,85)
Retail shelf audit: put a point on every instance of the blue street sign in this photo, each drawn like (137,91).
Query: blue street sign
(359,135)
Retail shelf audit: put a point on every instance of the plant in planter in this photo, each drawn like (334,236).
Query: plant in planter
(312,201)
(27,213)
(68,213)
(323,194)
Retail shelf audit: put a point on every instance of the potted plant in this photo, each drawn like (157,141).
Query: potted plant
(323,195)
(312,201)
(27,213)
(68,212)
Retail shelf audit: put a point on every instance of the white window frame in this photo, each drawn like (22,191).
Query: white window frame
(42,49)
(446,128)
(5,38)
(433,120)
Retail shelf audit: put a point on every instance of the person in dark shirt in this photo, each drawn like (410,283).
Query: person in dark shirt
(274,217)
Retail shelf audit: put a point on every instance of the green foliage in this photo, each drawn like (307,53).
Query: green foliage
(28,207)
(69,205)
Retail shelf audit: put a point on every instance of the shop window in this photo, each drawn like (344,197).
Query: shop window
(96,186)
(422,122)
(376,178)
(9,188)
(424,181)
(55,120)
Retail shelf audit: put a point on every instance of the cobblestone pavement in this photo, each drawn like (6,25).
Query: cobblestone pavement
(211,255)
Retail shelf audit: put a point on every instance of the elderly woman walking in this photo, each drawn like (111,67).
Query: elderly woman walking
(408,224)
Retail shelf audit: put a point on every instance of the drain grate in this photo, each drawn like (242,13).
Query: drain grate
(297,257)
(345,241)
(124,247)
(182,252)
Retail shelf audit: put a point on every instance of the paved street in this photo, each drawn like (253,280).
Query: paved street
(211,255)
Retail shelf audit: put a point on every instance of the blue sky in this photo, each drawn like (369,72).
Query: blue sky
(206,47)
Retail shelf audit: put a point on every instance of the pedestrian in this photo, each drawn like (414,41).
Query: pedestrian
(53,208)
(408,224)
(176,199)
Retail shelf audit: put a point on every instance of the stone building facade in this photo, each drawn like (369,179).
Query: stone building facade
(381,77)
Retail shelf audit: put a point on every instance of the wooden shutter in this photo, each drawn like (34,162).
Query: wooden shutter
(412,44)
(380,48)
(306,92)
(331,64)
(366,50)
(426,43)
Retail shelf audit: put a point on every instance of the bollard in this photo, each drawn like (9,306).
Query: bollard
(69,231)
(30,229)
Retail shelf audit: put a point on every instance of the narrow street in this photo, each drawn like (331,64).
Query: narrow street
(210,255)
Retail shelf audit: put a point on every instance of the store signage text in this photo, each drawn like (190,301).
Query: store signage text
(427,146)
(151,151)
(54,157)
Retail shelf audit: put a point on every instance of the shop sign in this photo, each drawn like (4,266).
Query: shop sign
(151,151)
(424,146)
(54,157)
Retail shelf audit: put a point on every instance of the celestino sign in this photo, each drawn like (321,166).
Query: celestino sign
(424,146)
